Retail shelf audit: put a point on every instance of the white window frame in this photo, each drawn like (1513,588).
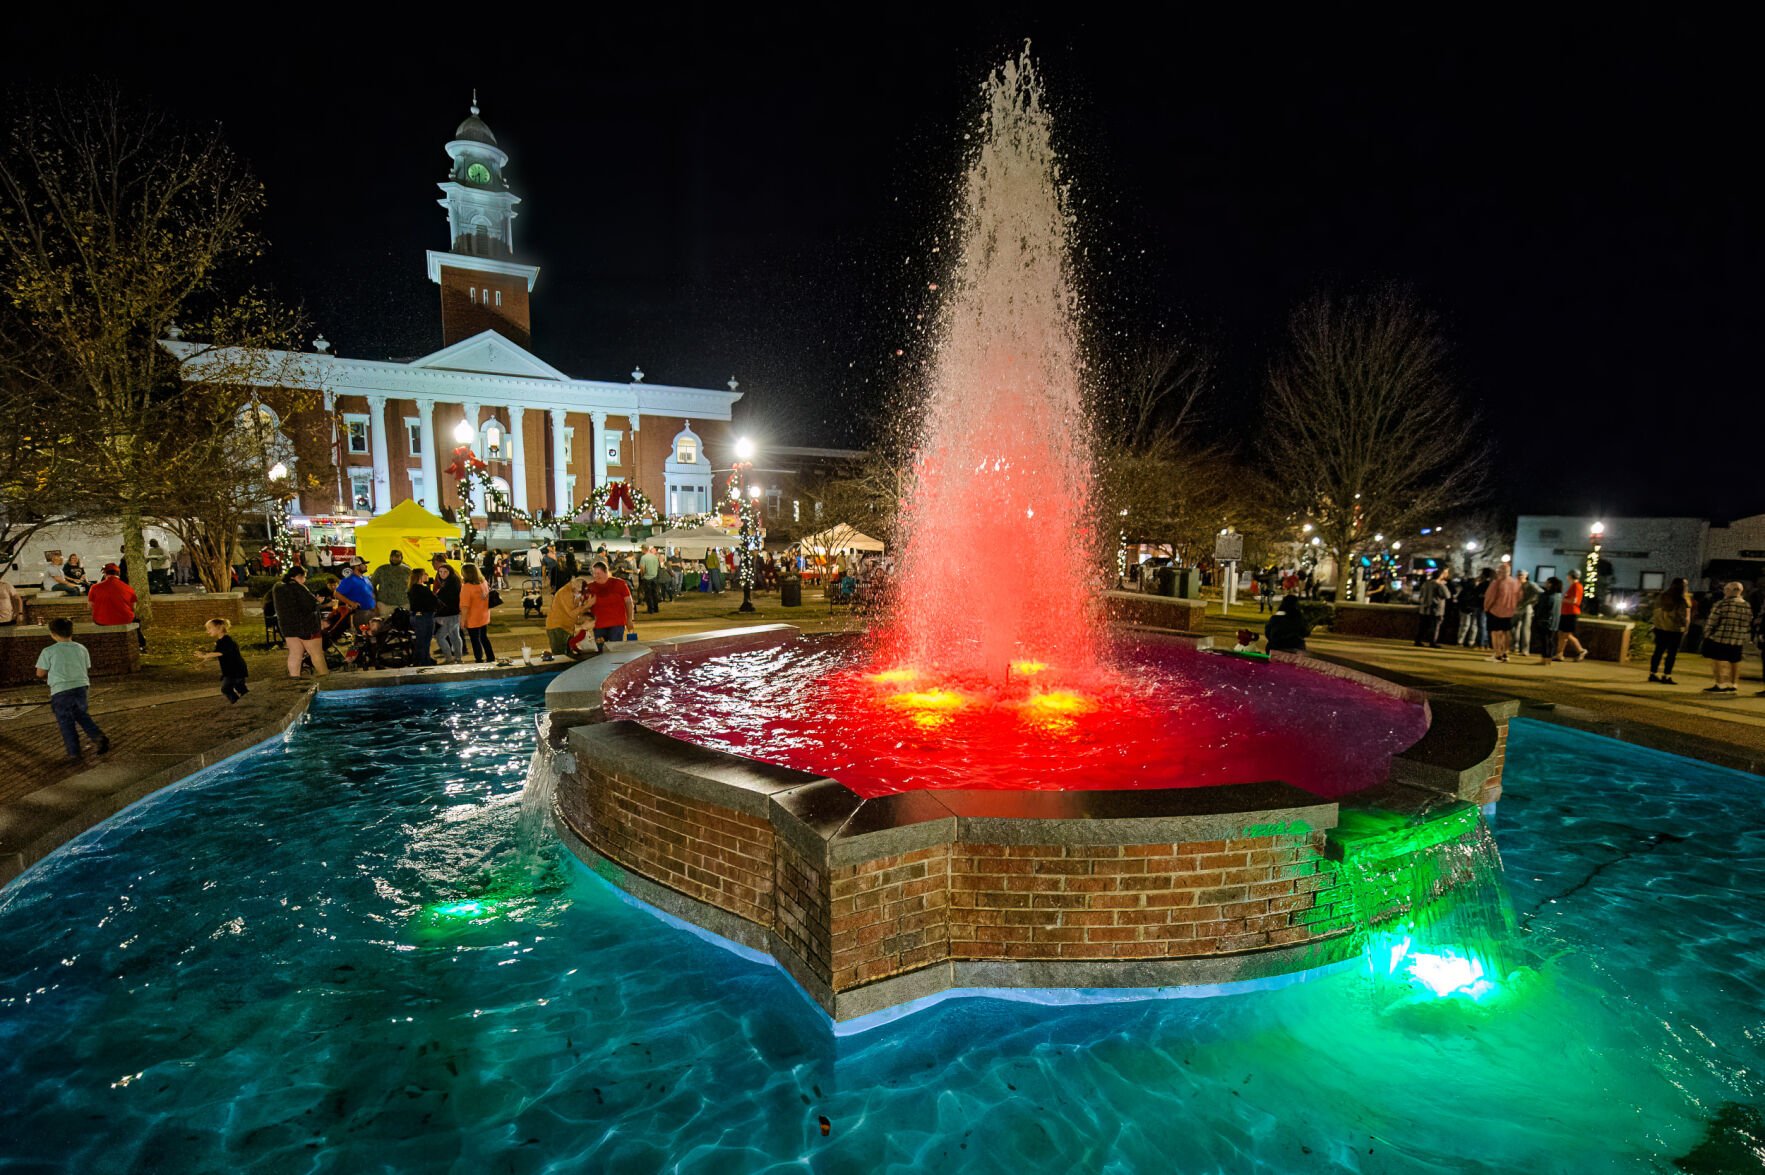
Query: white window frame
(502,431)
(413,431)
(416,476)
(681,454)
(499,297)
(774,502)
(614,443)
(359,477)
(570,497)
(569,444)
(350,420)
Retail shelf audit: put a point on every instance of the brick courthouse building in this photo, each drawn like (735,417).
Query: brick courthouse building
(390,427)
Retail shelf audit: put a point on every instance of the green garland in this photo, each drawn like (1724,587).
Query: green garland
(472,473)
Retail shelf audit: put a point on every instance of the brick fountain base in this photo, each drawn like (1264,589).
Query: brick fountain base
(874,903)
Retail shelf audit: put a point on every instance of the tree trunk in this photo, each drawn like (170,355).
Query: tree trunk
(135,551)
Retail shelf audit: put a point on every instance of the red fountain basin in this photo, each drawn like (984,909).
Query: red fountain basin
(1164,715)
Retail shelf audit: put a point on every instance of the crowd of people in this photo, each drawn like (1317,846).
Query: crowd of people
(1510,616)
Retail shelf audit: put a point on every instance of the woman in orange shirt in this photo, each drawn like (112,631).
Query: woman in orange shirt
(475,611)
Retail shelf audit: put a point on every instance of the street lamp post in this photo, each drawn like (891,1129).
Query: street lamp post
(744,463)
(1590,570)
(278,474)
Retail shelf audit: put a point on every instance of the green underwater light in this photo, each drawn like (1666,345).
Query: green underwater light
(467,910)
(1443,974)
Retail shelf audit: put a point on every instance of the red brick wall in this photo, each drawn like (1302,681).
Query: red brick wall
(890,915)
(859,923)
(461,317)
(114,651)
(714,854)
(801,904)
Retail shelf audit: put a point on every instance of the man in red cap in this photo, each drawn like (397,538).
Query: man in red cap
(113,601)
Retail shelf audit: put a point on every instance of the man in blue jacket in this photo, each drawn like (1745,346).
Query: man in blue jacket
(355,587)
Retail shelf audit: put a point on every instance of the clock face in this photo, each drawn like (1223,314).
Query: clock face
(478,173)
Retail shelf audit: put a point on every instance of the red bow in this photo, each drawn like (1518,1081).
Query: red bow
(619,497)
(465,461)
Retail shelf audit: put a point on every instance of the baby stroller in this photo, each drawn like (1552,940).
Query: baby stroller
(392,642)
(343,640)
(532,601)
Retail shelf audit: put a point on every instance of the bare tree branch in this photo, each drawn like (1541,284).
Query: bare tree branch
(1362,430)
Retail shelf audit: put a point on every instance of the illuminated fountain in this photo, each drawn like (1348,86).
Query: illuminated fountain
(996,788)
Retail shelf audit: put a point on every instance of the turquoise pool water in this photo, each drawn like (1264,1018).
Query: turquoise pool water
(248,973)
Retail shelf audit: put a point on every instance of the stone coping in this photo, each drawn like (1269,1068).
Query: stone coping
(365,679)
(33,827)
(826,818)
(1363,606)
(36,631)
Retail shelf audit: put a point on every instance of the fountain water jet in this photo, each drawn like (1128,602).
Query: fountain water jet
(1004,467)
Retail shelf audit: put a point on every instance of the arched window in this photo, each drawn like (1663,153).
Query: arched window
(493,441)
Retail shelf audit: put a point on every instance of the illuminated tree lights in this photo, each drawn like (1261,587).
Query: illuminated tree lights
(615,504)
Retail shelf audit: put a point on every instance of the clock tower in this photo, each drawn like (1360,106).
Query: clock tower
(483,287)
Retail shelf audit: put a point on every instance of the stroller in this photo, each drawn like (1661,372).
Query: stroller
(392,641)
(533,601)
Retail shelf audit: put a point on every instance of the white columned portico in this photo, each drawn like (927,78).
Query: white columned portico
(377,446)
(477,504)
(517,458)
(560,487)
(426,437)
(600,448)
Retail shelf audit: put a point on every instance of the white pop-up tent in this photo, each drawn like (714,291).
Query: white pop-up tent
(841,538)
(693,536)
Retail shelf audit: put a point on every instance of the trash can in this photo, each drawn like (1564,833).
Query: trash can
(1188,584)
(790,591)
(1165,581)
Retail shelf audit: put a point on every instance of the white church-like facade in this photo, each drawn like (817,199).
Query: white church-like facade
(391,427)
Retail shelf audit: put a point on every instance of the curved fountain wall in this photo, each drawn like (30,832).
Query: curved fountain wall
(870,903)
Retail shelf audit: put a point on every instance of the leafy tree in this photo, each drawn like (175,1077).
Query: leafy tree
(42,481)
(1362,431)
(116,225)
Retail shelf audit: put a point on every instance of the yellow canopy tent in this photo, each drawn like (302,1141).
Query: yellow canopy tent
(409,528)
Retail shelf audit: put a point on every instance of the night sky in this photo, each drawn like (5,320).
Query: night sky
(710,196)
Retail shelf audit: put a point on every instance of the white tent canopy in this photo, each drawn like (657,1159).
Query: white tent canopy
(693,536)
(841,538)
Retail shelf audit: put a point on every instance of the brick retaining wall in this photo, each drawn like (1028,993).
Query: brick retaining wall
(1396,622)
(113,648)
(1173,612)
(182,610)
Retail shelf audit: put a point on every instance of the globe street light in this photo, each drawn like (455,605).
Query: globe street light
(278,474)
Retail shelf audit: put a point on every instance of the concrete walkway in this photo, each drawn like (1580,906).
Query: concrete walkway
(1602,696)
